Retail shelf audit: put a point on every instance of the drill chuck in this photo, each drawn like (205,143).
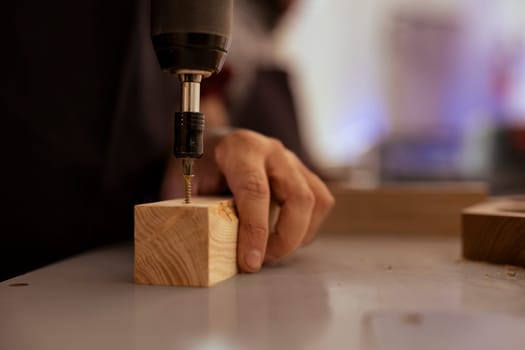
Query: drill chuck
(191,35)
(189,130)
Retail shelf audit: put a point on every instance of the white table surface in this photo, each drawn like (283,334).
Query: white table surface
(342,292)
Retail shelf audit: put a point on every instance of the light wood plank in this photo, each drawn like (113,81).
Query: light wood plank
(185,244)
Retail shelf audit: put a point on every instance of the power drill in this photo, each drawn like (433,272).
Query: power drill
(191,39)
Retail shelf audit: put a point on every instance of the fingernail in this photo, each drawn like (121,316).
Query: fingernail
(253,259)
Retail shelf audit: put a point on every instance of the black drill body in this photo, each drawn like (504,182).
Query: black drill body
(191,39)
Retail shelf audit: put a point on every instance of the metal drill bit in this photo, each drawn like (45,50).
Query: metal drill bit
(187,171)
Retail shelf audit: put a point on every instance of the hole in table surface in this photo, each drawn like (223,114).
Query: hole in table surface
(18,284)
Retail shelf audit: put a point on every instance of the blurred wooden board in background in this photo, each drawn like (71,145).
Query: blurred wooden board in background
(403,208)
(494,231)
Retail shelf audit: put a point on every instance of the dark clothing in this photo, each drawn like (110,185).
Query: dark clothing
(270,110)
(84,124)
(87,127)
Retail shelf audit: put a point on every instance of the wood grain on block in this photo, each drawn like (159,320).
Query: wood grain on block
(185,244)
(494,231)
(402,208)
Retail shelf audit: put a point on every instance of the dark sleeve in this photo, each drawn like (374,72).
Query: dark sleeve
(217,83)
(269,109)
(85,128)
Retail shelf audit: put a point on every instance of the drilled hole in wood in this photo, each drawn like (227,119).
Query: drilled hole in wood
(19,284)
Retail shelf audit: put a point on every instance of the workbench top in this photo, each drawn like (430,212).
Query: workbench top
(351,292)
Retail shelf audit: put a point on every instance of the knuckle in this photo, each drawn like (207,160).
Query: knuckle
(244,136)
(242,133)
(277,144)
(235,140)
(254,231)
(255,185)
(305,197)
(326,201)
(250,139)
(293,157)
(309,197)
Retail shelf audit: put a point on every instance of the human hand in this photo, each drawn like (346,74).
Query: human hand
(257,168)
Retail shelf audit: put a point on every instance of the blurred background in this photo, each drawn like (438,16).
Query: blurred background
(402,90)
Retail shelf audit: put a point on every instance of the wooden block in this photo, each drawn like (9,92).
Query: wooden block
(185,244)
(494,231)
(402,208)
